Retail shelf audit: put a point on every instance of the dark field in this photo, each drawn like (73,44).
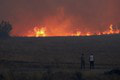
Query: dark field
(21,55)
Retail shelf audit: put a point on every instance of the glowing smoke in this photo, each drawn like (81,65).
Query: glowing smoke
(63,16)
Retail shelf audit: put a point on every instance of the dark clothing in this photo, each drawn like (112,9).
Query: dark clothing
(82,62)
(92,66)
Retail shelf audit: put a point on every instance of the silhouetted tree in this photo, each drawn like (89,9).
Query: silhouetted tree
(5,29)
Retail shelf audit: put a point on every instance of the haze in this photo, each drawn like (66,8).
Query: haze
(62,16)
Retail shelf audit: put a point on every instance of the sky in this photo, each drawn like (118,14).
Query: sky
(60,16)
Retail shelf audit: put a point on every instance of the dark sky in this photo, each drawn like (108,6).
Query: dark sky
(69,15)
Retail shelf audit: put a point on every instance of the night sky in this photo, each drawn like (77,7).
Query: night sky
(62,15)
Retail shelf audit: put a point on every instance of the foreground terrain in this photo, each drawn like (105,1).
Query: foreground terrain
(21,56)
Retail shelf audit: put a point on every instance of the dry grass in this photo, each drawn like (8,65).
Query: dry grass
(30,58)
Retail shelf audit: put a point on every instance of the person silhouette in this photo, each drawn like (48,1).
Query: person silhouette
(91,60)
(82,61)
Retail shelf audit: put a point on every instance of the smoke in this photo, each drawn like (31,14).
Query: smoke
(60,15)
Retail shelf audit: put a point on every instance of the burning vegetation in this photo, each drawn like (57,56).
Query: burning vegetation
(43,32)
(62,25)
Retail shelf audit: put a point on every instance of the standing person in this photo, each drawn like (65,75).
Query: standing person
(91,60)
(82,61)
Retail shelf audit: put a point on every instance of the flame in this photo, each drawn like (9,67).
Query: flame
(88,34)
(111,30)
(78,33)
(42,32)
(37,32)
(60,25)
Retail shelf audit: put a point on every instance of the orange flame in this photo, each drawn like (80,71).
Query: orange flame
(41,32)
(37,32)
(88,34)
(78,33)
(111,30)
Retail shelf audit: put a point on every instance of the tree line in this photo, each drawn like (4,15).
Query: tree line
(5,29)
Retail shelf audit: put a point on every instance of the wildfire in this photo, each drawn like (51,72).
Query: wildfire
(111,30)
(37,32)
(41,32)
(78,33)
(88,34)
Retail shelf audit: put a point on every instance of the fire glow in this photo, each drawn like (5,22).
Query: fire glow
(62,25)
(39,32)
(43,32)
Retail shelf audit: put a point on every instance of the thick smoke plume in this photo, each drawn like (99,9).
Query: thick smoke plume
(61,16)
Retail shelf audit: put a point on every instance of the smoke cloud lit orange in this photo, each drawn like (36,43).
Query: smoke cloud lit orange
(61,17)
(62,25)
